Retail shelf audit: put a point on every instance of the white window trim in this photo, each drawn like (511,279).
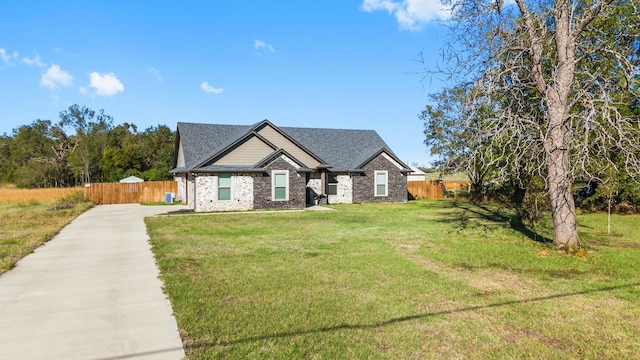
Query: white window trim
(375,181)
(230,188)
(273,184)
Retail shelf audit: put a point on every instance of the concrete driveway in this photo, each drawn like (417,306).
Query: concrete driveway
(90,293)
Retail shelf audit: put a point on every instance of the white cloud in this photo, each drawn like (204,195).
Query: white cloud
(411,14)
(263,46)
(210,89)
(105,84)
(35,61)
(54,77)
(156,73)
(6,57)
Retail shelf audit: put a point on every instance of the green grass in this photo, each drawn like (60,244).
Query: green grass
(26,225)
(427,279)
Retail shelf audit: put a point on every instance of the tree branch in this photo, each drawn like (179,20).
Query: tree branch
(535,50)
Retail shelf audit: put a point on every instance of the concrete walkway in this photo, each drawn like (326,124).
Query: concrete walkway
(90,293)
(318,208)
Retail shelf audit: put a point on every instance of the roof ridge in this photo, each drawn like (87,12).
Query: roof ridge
(325,128)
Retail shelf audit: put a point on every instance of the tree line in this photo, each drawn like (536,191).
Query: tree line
(83,146)
(544,109)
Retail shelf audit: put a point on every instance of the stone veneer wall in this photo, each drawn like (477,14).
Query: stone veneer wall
(315,183)
(297,187)
(181,187)
(189,188)
(314,187)
(207,193)
(345,191)
(364,185)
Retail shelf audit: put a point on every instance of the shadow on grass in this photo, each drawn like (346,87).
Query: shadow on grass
(472,211)
(404,318)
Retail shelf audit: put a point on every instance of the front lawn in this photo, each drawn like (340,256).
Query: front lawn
(427,279)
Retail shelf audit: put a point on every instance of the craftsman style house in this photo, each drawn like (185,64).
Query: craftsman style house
(233,167)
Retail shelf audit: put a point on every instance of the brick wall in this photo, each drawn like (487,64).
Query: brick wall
(262,188)
(364,185)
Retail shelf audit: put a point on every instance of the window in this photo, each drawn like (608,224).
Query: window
(280,185)
(224,187)
(381,183)
(332,184)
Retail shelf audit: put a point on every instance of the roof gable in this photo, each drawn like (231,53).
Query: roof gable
(247,151)
(387,154)
(283,154)
(199,141)
(283,141)
(131,179)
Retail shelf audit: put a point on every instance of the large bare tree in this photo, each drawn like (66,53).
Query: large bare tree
(556,84)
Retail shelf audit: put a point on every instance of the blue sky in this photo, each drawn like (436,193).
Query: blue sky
(333,63)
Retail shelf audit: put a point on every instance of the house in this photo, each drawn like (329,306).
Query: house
(416,175)
(131,179)
(262,166)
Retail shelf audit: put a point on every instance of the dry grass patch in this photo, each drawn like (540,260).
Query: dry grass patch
(12,195)
(28,218)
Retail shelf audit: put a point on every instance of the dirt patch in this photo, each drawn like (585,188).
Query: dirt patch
(62,206)
(514,334)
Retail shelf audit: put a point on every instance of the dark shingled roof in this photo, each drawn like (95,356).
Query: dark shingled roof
(343,150)
(200,141)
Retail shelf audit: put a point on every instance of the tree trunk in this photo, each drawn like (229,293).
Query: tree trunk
(558,140)
(563,209)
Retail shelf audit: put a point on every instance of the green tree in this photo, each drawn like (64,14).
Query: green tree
(456,130)
(550,74)
(91,136)
(450,133)
(31,155)
(123,156)
(64,145)
(157,148)
(7,170)
(83,146)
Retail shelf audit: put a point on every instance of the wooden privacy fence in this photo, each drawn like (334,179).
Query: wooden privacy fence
(457,187)
(428,189)
(434,189)
(129,193)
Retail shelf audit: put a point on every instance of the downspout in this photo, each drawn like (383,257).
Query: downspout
(186,188)
(323,185)
(354,192)
(195,186)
